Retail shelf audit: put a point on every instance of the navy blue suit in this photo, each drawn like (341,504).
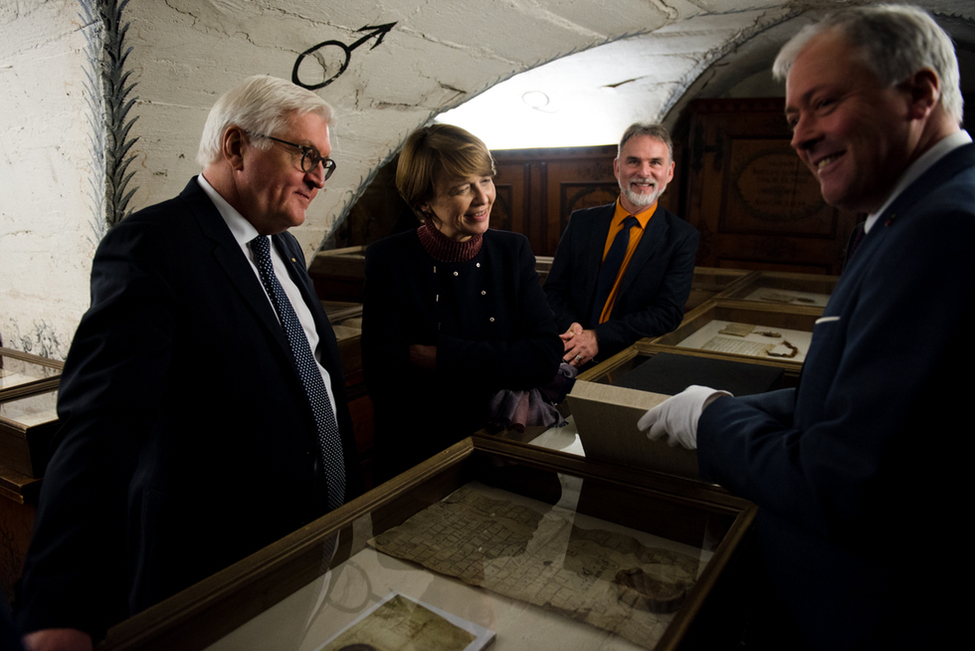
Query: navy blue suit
(187,441)
(857,472)
(654,287)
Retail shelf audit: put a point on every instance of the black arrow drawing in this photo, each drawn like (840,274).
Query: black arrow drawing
(378,32)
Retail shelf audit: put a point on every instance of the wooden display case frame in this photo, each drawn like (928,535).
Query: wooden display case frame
(779,280)
(33,386)
(710,282)
(338,273)
(207,611)
(791,317)
(25,448)
(17,487)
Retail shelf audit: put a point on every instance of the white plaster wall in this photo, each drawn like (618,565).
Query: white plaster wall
(438,55)
(46,234)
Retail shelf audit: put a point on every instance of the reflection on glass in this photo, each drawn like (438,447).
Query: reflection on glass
(583,568)
(31,411)
(17,371)
(528,564)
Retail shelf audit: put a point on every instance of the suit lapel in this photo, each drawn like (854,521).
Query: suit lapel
(594,241)
(653,237)
(954,162)
(228,256)
(903,206)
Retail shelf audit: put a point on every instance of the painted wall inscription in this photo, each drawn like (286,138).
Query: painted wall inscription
(332,56)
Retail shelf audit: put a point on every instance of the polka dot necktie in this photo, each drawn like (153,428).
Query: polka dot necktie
(329,441)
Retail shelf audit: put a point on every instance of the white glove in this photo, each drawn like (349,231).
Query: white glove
(677,417)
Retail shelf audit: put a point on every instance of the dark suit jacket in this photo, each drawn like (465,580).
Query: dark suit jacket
(858,471)
(185,429)
(654,287)
(490,323)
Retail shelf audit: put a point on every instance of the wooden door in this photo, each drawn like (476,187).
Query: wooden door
(755,204)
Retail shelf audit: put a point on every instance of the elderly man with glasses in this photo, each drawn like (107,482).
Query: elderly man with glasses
(202,402)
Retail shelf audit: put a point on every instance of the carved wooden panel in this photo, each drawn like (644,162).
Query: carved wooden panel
(548,184)
(755,204)
(510,204)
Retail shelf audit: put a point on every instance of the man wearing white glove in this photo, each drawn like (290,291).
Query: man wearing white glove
(676,417)
(860,473)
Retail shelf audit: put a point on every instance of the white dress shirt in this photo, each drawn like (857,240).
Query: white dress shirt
(243,232)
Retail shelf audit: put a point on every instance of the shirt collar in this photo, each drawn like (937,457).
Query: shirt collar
(914,171)
(242,230)
(643,217)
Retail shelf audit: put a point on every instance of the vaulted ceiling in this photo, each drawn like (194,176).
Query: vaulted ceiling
(588,98)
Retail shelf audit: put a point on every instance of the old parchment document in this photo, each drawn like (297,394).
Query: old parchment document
(604,578)
(401,624)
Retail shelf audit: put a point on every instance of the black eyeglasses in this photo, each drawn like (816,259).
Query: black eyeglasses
(310,157)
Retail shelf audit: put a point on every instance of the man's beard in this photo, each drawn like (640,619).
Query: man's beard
(641,200)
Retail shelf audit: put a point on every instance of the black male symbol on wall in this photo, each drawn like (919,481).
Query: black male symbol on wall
(334,54)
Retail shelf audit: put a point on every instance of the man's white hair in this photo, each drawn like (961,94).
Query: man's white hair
(896,41)
(261,105)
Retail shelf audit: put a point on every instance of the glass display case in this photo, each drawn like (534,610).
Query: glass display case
(777,335)
(22,373)
(540,549)
(708,282)
(781,288)
(611,370)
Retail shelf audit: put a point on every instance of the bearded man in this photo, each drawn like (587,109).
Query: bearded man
(623,271)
